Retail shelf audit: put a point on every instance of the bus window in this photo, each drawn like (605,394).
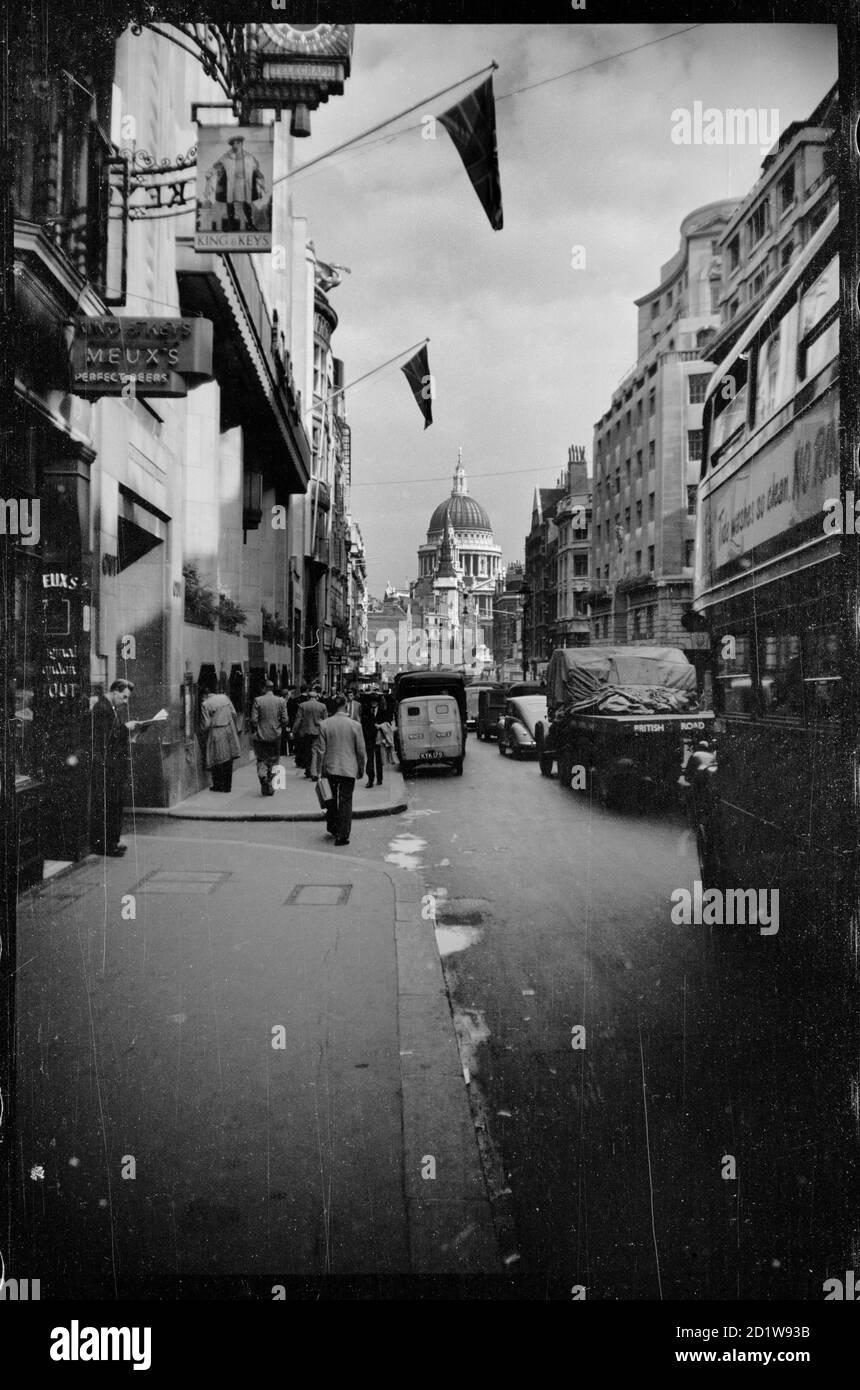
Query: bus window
(730,406)
(821,675)
(819,322)
(734,691)
(775,369)
(781,675)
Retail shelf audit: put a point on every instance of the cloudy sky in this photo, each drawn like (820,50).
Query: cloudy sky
(525,350)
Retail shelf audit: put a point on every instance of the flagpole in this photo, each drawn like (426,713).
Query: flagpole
(490,67)
(381,367)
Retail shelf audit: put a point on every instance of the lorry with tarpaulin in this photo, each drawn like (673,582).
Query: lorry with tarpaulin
(622,721)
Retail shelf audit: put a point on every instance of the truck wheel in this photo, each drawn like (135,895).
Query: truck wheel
(458,768)
(545,760)
(501,748)
(407,768)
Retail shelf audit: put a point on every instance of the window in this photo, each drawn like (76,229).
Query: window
(694,444)
(651,453)
(758,284)
(580,566)
(638,561)
(649,620)
(819,322)
(652,402)
(617,481)
(655,308)
(734,305)
(698,383)
(639,411)
(774,369)
(734,692)
(691,501)
(730,406)
(668,299)
(651,558)
(626,518)
(688,553)
(785,190)
(715,246)
(639,513)
(606,574)
(715,296)
(781,675)
(822,682)
(650,506)
(758,224)
(606,626)
(734,249)
(638,463)
(637,622)
(786,254)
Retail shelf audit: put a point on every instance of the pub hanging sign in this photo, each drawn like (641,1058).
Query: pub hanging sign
(139,357)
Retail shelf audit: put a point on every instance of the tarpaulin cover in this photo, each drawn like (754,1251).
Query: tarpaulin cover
(622,680)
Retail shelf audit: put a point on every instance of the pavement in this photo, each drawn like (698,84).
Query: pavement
(294,798)
(237,1069)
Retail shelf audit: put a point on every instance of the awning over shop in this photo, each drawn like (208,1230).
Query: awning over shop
(257,391)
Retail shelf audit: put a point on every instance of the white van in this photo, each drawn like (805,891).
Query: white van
(429,730)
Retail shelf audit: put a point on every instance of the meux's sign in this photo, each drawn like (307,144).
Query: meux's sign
(144,357)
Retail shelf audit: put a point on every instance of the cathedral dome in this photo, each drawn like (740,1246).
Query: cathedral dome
(461,510)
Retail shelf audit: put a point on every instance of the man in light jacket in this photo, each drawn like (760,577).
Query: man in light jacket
(268,719)
(218,724)
(306,727)
(339,753)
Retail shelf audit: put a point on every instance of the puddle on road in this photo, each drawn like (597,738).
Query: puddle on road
(413,815)
(405,851)
(451,939)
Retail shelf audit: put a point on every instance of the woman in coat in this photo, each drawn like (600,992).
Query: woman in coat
(218,723)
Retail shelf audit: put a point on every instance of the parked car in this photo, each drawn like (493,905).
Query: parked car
(517,732)
(491,711)
(431,719)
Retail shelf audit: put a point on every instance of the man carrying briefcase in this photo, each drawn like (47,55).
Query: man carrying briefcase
(339,755)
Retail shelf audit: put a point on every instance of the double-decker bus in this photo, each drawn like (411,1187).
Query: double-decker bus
(776,588)
(774,557)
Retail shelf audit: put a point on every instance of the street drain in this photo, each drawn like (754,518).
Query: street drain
(319,895)
(462,912)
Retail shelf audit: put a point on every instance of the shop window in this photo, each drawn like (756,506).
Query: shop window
(819,323)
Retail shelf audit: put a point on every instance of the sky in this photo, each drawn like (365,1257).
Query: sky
(525,349)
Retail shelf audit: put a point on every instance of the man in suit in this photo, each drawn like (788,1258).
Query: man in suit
(306,727)
(339,753)
(111,752)
(268,720)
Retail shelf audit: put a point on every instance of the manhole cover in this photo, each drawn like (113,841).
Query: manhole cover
(319,895)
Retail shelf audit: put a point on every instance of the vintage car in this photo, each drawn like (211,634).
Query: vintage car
(491,710)
(517,731)
(473,695)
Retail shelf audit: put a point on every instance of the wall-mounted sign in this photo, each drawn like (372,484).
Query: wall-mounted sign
(297,66)
(143,357)
(234,188)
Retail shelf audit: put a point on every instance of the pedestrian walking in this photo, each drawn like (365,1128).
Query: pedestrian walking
(339,755)
(373,751)
(111,740)
(218,723)
(353,708)
(268,721)
(306,727)
(385,741)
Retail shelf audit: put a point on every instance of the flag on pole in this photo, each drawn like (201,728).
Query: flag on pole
(471,124)
(417,373)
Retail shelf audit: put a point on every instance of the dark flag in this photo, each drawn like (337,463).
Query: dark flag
(471,124)
(417,373)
